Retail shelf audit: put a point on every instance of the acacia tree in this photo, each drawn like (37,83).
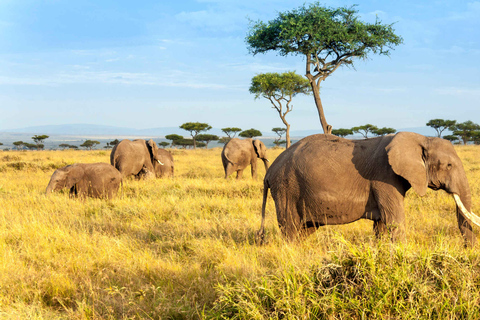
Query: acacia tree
(90,144)
(38,139)
(383,131)
(174,138)
(18,144)
(195,128)
(465,130)
(365,130)
(278,141)
(441,125)
(250,133)
(206,138)
(280,88)
(342,132)
(327,37)
(231,131)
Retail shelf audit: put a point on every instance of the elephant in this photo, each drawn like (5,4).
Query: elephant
(138,158)
(237,154)
(97,180)
(167,169)
(327,180)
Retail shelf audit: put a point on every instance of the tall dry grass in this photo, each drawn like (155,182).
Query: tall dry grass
(183,248)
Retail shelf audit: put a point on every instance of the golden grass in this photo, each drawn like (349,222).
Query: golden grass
(183,248)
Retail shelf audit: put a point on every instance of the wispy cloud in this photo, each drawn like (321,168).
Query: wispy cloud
(104,77)
(472,13)
(457,91)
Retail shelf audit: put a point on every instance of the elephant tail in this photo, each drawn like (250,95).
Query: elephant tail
(260,236)
(228,159)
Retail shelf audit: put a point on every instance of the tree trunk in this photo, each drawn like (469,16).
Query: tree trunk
(327,129)
(287,133)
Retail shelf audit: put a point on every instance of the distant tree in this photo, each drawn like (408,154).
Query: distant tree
(279,143)
(327,38)
(365,130)
(185,143)
(19,144)
(476,137)
(250,133)
(39,140)
(465,130)
(441,125)
(195,128)
(224,140)
(163,144)
(279,132)
(32,146)
(206,138)
(66,145)
(111,144)
(451,138)
(231,132)
(89,144)
(174,138)
(383,131)
(342,132)
(280,88)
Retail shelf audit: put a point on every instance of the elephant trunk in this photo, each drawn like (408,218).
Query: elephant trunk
(50,188)
(265,162)
(465,215)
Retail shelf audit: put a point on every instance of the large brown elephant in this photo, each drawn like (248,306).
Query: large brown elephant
(238,154)
(167,169)
(326,180)
(137,158)
(98,180)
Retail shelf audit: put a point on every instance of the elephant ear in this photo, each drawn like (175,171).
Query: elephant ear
(257,147)
(406,155)
(153,149)
(75,174)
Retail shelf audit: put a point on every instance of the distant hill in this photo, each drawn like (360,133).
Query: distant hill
(95,130)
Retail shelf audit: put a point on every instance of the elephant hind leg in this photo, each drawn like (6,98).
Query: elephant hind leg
(228,169)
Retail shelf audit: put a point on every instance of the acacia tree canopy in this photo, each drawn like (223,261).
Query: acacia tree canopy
(441,125)
(327,37)
(365,129)
(280,88)
(341,132)
(250,133)
(195,128)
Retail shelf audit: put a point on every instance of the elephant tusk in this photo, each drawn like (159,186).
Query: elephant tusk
(469,215)
(267,160)
(160,162)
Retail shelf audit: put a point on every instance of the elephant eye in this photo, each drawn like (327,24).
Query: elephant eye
(449,166)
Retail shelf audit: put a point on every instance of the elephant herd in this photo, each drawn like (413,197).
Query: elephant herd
(138,158)
(320,180)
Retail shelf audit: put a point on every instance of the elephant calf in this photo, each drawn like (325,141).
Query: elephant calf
(238,154)
(98,180)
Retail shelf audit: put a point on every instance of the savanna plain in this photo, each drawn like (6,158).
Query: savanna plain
(184,248)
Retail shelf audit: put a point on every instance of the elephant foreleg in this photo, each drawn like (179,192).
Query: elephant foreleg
(390,202)
(239,174)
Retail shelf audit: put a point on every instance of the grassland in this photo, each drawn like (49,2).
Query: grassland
(183,248)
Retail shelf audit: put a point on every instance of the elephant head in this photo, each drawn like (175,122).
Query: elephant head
(153,150)
(261,151)
(66,177)
(433,163)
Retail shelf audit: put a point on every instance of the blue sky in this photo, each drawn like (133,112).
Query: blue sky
(147,64)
